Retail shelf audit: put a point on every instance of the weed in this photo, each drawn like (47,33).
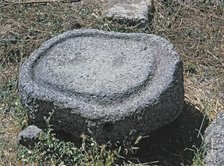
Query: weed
(198,156)
(50,149)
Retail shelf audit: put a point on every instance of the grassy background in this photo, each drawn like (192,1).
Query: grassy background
(196,31)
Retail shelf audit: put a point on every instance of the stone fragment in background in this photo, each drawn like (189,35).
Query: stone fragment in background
(134,13)
(214,142)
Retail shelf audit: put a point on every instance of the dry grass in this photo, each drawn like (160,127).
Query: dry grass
(196,31)
(198,35)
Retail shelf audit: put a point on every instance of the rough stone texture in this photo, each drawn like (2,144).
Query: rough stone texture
(29,136)
(139,12)
(214,142)
(105,84)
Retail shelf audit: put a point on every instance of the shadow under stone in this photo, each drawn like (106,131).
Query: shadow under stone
(173,144)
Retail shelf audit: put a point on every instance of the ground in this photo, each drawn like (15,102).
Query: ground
(197,33)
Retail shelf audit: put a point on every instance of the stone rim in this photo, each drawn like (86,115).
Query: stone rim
(141,99)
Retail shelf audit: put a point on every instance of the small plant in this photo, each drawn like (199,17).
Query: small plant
(20,114)
(198,157)
(51,150)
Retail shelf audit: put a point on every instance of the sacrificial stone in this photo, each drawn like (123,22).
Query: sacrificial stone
(104,84)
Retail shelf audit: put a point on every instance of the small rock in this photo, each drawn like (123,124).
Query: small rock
(131,13)
(29,136)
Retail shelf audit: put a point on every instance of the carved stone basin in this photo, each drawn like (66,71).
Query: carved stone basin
(104,84)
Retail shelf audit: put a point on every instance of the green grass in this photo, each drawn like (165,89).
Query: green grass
(50,149)
(197,32)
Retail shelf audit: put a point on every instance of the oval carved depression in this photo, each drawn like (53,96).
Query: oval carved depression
(86,68)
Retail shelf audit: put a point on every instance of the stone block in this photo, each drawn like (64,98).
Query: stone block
(140,12)
(104,84)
